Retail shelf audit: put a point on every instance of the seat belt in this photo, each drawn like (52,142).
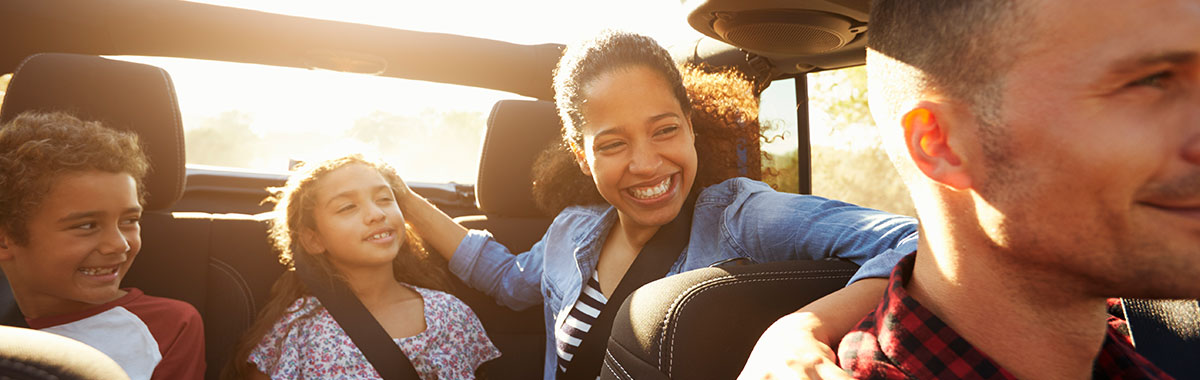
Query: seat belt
(652,263)
(1167,332)
(366,332)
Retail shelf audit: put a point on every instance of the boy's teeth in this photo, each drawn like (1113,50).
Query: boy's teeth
(652,191)
(98,271)
(380,235)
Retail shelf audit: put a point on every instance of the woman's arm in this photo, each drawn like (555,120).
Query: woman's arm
(801,345)
(437,228)
(484,264)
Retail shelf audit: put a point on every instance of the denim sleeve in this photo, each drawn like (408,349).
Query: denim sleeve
(513,280)
(772,226)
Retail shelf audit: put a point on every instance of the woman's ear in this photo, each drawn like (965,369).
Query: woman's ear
(580,158)
(927,136)
(311,241)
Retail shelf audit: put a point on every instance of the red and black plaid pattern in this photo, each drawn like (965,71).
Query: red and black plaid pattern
(903,340)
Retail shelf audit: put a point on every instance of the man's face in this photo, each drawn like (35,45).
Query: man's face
(1098,177)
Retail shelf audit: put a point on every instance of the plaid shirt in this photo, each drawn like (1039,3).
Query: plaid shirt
(903,340)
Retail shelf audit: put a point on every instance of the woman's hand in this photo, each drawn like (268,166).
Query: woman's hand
(794,347)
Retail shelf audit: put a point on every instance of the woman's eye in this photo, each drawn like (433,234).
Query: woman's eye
(667,130)
(1153,80)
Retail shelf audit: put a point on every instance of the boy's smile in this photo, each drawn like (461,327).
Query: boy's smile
(82,240)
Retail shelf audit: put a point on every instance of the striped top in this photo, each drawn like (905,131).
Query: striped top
(579,321)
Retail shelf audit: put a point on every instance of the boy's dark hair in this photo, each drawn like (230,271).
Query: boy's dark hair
(38,148)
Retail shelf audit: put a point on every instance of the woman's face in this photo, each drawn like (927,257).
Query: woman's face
(638,145)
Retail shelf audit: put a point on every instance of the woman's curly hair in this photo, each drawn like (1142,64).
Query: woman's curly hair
(38,148)
(721,104)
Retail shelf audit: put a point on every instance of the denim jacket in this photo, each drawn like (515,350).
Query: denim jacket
(738,218)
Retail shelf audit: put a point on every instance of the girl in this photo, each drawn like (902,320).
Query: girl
(632,131)
(343,214)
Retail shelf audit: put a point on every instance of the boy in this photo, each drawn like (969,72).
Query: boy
(70,200)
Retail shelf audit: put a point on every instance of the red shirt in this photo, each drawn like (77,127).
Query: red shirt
(903,340)
(174,327)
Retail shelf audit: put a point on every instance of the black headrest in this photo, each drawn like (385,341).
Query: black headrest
(517,131)
(122,95)
(702,324)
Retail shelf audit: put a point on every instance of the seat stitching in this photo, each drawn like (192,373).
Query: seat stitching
(666,321)
(240,281)
(725,281)
(179,154)
(618,364)
(13,80)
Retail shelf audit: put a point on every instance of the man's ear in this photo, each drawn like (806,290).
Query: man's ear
(927,136)
(581,159)
(311,241)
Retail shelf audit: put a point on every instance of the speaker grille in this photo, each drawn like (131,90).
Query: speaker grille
(785,38)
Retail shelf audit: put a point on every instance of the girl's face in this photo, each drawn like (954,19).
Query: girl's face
(358,222)
(638,145)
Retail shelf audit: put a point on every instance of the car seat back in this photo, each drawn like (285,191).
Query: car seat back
(702,324)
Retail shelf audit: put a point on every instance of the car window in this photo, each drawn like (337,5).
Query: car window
(777,113)
(265,118)
(848,160)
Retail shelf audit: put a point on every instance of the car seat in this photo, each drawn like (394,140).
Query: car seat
(219,263)
(517,131)
(702,324)
(139,98)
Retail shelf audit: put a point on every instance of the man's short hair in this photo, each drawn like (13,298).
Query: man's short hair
(955,48)
(37,149)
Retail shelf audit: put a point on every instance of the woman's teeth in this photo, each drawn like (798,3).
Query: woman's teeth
(378,236)
(98,271)
(651,191)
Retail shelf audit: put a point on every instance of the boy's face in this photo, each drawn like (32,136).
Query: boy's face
(82,240)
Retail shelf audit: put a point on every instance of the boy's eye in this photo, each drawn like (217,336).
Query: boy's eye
(133,220)
(85,226)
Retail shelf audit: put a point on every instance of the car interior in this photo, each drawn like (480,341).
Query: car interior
(204,232)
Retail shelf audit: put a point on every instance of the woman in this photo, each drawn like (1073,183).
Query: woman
(628,127)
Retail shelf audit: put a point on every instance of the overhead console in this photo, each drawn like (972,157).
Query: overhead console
(790,36)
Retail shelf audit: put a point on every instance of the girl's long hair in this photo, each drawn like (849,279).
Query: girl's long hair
(294,204)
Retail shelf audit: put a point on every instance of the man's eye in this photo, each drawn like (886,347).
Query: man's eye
(1153,80)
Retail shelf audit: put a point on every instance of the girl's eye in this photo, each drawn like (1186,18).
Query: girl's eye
(345,208)
(610,146)
(132,221)
(1153,80)
(385,200)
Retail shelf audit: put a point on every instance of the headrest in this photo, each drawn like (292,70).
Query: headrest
(122,95)
(517,131)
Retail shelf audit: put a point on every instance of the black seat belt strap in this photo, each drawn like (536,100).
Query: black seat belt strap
(652,263)
(366,332)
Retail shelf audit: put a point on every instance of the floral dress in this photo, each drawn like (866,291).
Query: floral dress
(306,343)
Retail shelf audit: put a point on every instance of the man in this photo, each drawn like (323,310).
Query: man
(1052,148)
